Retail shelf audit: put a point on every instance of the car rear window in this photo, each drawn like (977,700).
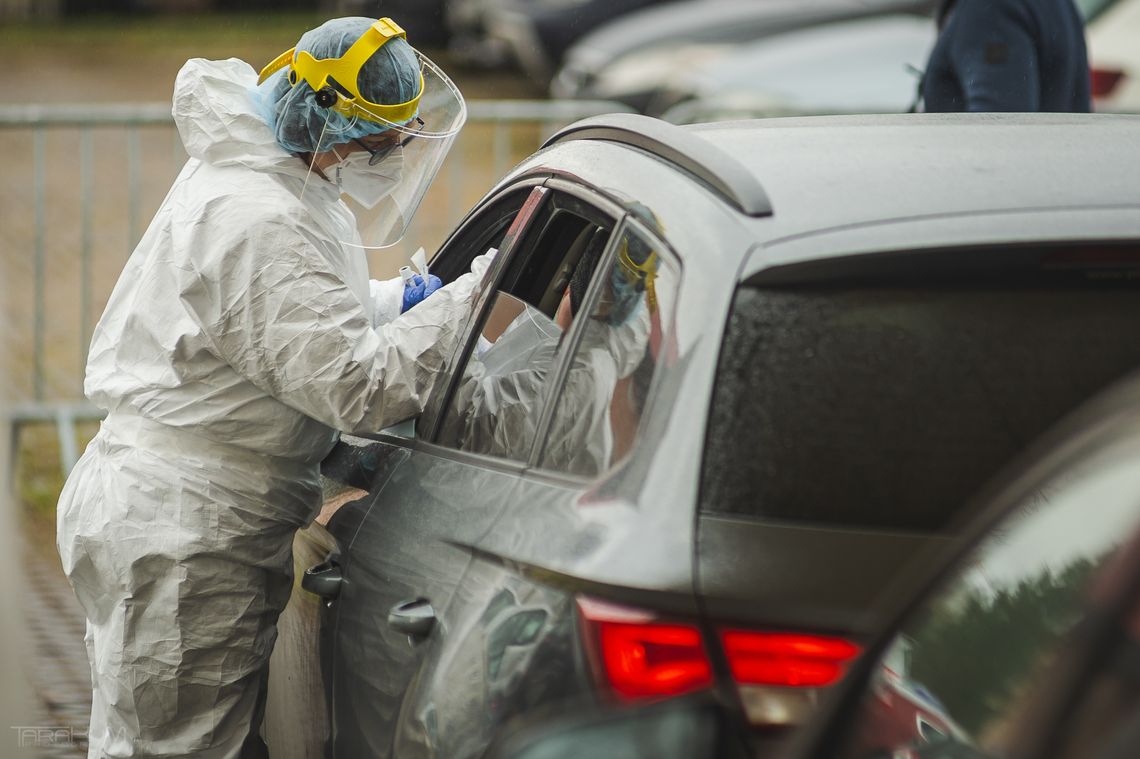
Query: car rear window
(889,407)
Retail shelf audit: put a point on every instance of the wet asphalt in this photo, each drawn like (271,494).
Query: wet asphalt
(57,665)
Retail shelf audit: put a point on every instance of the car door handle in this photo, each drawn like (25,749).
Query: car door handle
(324,579)
(414,618)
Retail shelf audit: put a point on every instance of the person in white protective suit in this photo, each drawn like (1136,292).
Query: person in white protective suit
(243,334)
(498,401)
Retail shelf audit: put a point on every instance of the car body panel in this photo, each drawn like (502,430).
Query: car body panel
(838,591)
(435,510)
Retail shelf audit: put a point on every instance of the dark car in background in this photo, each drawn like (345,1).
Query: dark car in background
(531,33)
(539,33)
(422,19)
(1022,640)
(832,332)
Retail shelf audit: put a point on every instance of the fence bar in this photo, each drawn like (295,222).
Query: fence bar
(132,187)
(68,450)
(39,152)
(111,114)
(86,243)
(501,148)
(158,114)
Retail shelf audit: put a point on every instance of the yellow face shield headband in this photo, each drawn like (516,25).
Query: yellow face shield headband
(334,79)
(634,272)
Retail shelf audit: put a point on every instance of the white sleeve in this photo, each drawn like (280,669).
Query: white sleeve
(292,327)
(387,299)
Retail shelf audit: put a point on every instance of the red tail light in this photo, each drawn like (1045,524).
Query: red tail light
(786,659)
(644,658)
(1104,81)
(654,659)
(638,655)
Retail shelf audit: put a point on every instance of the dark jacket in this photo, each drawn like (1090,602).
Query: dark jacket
(1008,55)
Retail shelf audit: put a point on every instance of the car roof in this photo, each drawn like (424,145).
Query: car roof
(817,187)
(825,174)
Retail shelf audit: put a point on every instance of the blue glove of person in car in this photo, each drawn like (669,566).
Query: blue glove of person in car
(415,290)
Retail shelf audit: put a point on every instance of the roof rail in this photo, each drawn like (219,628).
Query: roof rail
(708,163)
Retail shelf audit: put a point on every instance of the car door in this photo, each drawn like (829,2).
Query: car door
(1023,648)
(432,495)
(513,642)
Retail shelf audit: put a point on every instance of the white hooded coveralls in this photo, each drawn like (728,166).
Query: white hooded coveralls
(238,340)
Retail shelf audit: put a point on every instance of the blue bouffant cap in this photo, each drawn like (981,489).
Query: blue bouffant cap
(390,76)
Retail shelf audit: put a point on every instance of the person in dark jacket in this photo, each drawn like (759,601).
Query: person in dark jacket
(1008,55)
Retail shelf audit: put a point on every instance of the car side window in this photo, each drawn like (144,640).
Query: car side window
(961,677)
(483,230)
(496,405)
(623,339)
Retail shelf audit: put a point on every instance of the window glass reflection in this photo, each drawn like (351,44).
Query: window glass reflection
(601,402)
(958,679)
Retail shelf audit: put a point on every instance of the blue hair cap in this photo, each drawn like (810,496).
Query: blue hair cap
(390,76)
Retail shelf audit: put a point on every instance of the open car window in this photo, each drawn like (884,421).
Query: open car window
(504,377)
(499,225)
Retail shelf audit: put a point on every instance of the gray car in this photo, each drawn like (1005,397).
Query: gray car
(869,65)
(1020,641)
(628,59)
(797,347)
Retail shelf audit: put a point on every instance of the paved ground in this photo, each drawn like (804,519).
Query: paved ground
(59,675)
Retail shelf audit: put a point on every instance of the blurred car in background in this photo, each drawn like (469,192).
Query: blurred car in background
(468,44)
(539,32)
(531,33)
(422,19)
(1024,635)
(628,60)
(846,326)
(1114,53)
(721,59)
(869,65)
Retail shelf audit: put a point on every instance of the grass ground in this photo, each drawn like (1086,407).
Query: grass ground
(126,60)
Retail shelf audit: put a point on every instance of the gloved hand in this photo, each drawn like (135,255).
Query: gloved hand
(415,290)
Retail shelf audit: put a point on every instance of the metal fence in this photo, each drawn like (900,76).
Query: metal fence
(81,183)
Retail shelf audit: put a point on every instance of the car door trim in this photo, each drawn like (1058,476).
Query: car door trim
(603,203)
(536,200)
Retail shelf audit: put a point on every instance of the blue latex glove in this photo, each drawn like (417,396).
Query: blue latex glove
(416,290)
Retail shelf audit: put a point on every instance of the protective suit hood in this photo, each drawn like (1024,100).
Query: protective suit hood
(216,116)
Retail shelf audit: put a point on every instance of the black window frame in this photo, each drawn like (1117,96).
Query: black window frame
(666,253)
(560,199)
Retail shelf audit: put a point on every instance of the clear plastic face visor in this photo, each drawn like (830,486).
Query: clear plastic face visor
(388,175)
